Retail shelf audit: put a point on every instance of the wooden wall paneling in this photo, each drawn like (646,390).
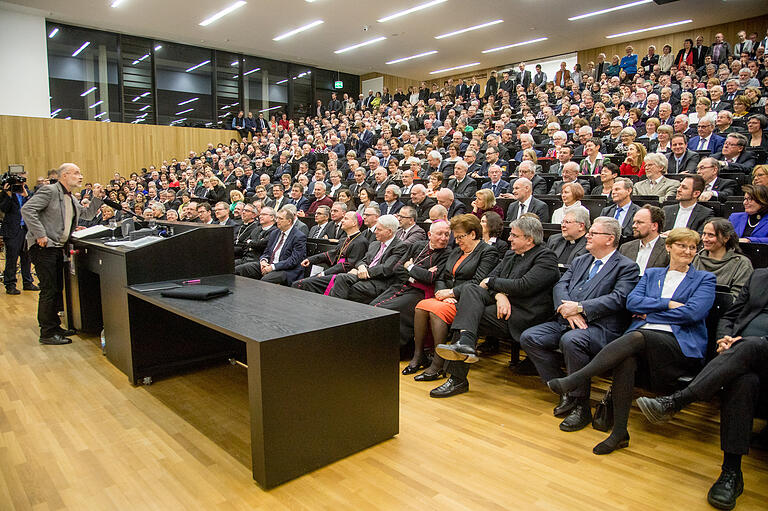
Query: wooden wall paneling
(99,148)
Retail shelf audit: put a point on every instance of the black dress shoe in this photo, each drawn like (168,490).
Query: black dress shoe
(726,489)
(609,445)
(459,352)
(451,387)
(426,376)
(579,418)
(66,333)
(31,287)
(657,409)
(565,406)
(55,339)
(12,291)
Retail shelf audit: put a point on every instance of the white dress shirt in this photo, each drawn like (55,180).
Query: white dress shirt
(644,253)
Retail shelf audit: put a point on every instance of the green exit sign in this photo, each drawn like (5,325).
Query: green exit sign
(338,85)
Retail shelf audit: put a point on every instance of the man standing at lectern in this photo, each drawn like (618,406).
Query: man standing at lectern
(52,215)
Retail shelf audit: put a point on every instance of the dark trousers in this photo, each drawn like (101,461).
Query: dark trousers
(49,265)
(738,371)
(349,287)
(578,347)
(252,270)
(317,284)
(402,299)
(16,251)
(476,313)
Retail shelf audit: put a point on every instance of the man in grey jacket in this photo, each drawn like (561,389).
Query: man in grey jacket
(52,215)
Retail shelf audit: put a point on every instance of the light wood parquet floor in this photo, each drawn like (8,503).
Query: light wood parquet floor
(74,434)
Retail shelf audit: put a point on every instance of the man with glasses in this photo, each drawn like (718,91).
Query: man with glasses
(322,215)
(590,312)
(221,211)
(706,140)
(733,157)
(409,232)
(715,187)
(248,264)
(572,240)
(243,233)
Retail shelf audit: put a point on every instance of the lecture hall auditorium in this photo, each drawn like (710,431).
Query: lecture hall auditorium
(313,254)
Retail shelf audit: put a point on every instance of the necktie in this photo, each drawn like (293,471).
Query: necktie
(702,144)
(618,213)
(593,270)
(277,247)
(522,210)
(377,258)
(401,236)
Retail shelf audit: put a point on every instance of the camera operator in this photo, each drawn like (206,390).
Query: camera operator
(51,215)
(13,230)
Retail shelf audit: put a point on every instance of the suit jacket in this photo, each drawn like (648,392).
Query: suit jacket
(699,217)
(422,209)
(749,304)
(292,253)
(527,280)
(687,164)
(536,206)
(559,75)
(415,234)
(274,204)
(557,244)
(501,187)
(11,225)
(663,189)
(725,188)
(457,208)
(348,252)
(302,204)
(659,255)
(759,234)
(743,164)
(626,227)
(523,78)
(334,230)
(423,260)
(386,209)
(385,268)
(538,185)
(715,144)
(466,188)
(474,268)
(696,292)
(44,214)
(557,186)
(318,231)
(604,296)
(243,237)
(699,54)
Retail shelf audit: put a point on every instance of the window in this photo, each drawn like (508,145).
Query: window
(227,87)
(136,55)
(184,83)
(302,91)
(265,87)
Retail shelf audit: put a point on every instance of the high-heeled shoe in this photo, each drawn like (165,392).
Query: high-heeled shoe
(426,376)
(607,446)
(423,363)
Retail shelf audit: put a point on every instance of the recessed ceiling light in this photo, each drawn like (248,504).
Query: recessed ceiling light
(297,30)
(197,66)
(251,71)
(505,47)
(84,46)
(412,57)
(188,101)
(453,68)
(87,92)
(96,104)
(115,3)
(469,29)
(53,33)
(360,45)
(223,13)
(412,9)
(658,27)
(610,9)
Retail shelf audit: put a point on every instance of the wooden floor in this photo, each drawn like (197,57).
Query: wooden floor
(75,434)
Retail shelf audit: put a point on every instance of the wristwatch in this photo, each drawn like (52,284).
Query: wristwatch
(579,308)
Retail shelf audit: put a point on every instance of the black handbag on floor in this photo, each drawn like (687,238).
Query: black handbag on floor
(602,420)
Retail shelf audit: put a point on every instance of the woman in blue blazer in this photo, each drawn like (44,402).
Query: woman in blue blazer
(667,338)
(752,225)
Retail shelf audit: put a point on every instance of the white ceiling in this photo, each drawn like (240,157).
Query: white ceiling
(251,28)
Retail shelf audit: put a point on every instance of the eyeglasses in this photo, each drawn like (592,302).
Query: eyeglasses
(592,233)
(459,237)
(569,222)
(682,246)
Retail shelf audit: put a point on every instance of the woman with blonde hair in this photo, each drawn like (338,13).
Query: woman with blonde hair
(485,201)
(634,163)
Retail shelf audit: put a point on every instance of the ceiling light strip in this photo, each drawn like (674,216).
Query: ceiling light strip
(53,33)
(418,55)
(659,27)
(469,29)
(360,45)
(506,47)
(84,46)
(198,66)
(409,11)
(188,101)
(84,94)
(453,68)
(610,9)
(223,13)
(297,30)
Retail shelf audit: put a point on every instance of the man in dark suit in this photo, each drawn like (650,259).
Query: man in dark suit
(622,209)
(572,240)
(528,170)
(322,217)
(298,199)
(570,175)
(715,187)
(734,157)
(706,140)
(221,214)
(506,85)
(452,205)
(391,205)
(461,185)
(515,295)
(681,159)
(688,212)
(497,185)
(413,277)
(14,231)
(374,273)
(421,203)
(342,258)
(245,230)
(590,304)
(647,249)
(257,240)
(51,216)
(523,77)
(281,261)
(409,232)
(736,374)
(700,52)
(525,202)
(462,90)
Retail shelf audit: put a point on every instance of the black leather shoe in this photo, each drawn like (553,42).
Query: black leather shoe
(565,406)
(579,418)
(451,387)
(726,489)
(31,287)
(12,291)
(425,376)
(66,333)
(460,352)
(609,445)
(55,339)
(657,409)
